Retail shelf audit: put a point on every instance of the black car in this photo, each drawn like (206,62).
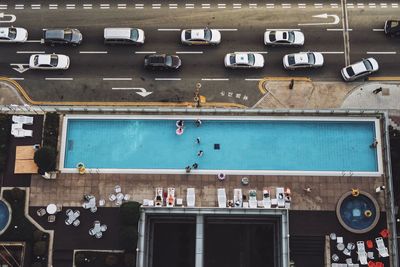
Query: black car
(392,27)
(62,36)
(162,62)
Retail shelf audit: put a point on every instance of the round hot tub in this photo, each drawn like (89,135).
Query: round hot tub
(358,213)
(5,215)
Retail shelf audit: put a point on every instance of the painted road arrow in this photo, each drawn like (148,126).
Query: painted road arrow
(323,16)
(11,20)
(142,92)
(20,67)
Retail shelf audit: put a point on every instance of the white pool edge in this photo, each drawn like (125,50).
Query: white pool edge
(231,172)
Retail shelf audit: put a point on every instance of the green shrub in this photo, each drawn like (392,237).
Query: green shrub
(5,129)
(130,259)
(128,237)
(130,213)
(50,131)
(45,158)
(111,260)
(40,248)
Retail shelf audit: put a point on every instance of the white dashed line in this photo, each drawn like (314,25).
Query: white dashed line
(395,5)
(18,79)
(19,6)
(332,53)
(372,5)
(283,29)
(35,6)
(145,52)
(252,5)
(70,6)
(301,5)
(33,41)
(214,79)
(173,6)
(167,79)
(30,52)
(156,6)
(227,30)
(286,5)
(334,6)
(269,5)
(221,5)
(189,5)
(104,6)
(189,52)
(258,52)
(237,5)
(338,30)
(117,79)
(383,5)
(360,5)
(53,6)
(205,5)
(350,5)
(318,5)
(93,52)
(382,53)
(121,6)
(252,79)
(139,6)
(378,30)
(168,30)
(87,6)
(59,79)
(3,6)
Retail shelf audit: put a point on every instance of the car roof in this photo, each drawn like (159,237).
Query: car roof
(241,58)
(44,59)
(358,67)
(301,58)
(197,34)
(4,31)
(279,35)
(55,33)
(157,58)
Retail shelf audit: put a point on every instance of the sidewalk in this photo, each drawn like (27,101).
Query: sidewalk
(9,95)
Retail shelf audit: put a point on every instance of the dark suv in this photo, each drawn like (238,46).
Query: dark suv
(162,62)
(62,36)
(392,27)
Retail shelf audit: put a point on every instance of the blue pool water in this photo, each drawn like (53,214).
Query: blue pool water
(353,210)
(4,215)
(244,145)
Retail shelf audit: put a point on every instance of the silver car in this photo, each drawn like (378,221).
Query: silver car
(13,35)
(49,62)
(200,37)
(283,38)
(244,60)
(360,69)
(303,60)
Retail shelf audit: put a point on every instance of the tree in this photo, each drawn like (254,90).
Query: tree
(45,159)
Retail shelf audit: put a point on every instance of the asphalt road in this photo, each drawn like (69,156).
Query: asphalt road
(115,73)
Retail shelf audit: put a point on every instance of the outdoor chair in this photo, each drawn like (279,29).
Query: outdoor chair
(170,197)
(349,261)
(103,228)
(280,196)
(86,205)
(93,209)
(383,251)
(41,212)
(99,234)
(51,218)
(346,252)
(335,257)
(77,213)
(91,231)
(117,189)
(253,199)
(118,202)
(190,197)
(221,196)
(370,244)
(237,198)
(158,199)
(127,197)
(112,197)
(59,207)
(370,255)
(76,223)
(67,222)
(22,119)
(379,264)
(350,246)
(266,199)
(102,202)
(362,255)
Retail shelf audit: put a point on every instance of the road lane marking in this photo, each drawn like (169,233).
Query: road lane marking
(33,41)
(227,30)
(139,6)
(189,52)
(169,30)
(53,6)
(253,79)
(377,30)
(337,30)
(189,5)
(215,79)
(259,52)
(269,5)
(173,6)
(17,79)
(221,5)
(283,29)
(237,5)
(145,52)
(3,6)
(70,6)
(205,5)
(167,79)
(35,6)
(156,6)
(301,5)
(333,52)
(19,6)
(104,6)
(59,79)
(93,52)
(87,6)
(382,53)
(121,6)
(117,79)
(30,52)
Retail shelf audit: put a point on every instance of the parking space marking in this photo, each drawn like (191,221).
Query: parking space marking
(3,6)
(382,53)
(215,79)
(383,5)
(286,5)
(117,79)
(252,5)
(167,79)
(337,30)
(333,5)
(252,79)
(301,5)
(332,52)
(189,52)
(269,5)
(59,79)
(395,5)
(318,5)
(258,52)
(33,41)
(227,30)
(283,29)
(237,5)
(221,5)
(30,52)
(93,52)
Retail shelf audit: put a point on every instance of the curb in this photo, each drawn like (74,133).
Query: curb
(262,82)
(29,100)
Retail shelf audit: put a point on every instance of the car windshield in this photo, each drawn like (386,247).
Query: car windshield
(272,37)
(311,58)
(168,61)
(188,35)
(53,60)
(291,36)
(12,33)
(350,71)
(134,34)
(36,60)
(207,34)
(252,59)
(232,59)
(394,23)
(291,60)
(68,35)
(367,65)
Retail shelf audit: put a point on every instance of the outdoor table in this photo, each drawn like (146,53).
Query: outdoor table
(51,208)
(340,246)
(72,216)
(98,229)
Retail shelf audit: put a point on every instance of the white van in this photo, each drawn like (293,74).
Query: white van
(123,36)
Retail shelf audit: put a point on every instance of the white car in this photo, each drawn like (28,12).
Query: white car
(283,38)
(13,35)
(360,69)
(201,37)
(303,60)
(244,60)
(49,62)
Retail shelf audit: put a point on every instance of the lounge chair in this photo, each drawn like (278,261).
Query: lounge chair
(18,133)
(266,199)
(280,196)
(22,119)
(252,199)
(288,198)
(158,200)
(16,126)
(362,255)
(170,197)
(190,197)
(221,195)
(237,198)
(383,251)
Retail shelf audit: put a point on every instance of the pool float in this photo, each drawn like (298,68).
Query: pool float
(179,131)
(355,192)
(368,213)
(221,176)
(81,168)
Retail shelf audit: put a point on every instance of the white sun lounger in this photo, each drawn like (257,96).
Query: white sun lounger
(21,133)
(266,199)
(170,197)
(280,196)
(22,119)
(158,200)
(380,246)
(221,195)
(237,198)
(362,255)
(252,199)
(191,197)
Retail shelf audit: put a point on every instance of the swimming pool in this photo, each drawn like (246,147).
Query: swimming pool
(230,144)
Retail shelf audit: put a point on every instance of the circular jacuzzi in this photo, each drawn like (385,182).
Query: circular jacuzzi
(357,212)
(5,215)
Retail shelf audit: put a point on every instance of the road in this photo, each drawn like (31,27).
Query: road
(115,73)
